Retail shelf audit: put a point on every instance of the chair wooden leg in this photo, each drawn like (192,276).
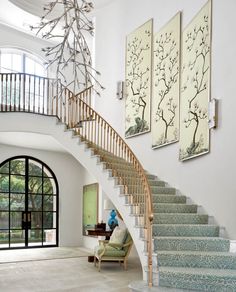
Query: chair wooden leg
(125,264)
(99,265)
(95,260)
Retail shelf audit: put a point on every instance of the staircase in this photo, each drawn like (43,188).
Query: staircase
(176,245)
(188,251)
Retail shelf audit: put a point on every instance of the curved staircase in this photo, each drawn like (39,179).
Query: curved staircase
(177,246)
(189,252)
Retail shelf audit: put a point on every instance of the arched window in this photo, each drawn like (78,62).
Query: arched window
(19,61)
(28,204)
(24,85)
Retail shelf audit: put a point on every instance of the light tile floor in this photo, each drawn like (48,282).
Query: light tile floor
(70,273)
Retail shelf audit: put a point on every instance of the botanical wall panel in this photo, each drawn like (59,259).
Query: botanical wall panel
(195,85)
(165,102)
(138,80)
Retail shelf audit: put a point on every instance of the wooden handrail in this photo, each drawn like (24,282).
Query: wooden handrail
(41,95)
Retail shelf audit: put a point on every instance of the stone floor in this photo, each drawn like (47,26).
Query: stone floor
(68,270)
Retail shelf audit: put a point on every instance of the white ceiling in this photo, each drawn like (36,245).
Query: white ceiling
(35,7)
(20,14)
(30,140)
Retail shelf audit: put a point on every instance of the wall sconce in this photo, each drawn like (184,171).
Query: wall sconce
(213,113)
(120,89)
(112,222)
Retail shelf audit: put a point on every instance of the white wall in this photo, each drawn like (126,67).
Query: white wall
(69,174)
(209,180)
(12,38)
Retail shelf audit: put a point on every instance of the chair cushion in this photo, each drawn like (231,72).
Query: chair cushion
(110,251)
(118,237)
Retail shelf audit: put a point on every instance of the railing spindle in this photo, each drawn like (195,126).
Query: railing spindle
(14,89)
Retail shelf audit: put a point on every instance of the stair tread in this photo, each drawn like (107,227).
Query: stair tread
(179,214)
(198,253)
(168,195)
(200,271)
(175,204)
(186,225)
(191,238)
(180,218)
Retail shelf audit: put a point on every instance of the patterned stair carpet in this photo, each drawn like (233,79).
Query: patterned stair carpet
(190,253)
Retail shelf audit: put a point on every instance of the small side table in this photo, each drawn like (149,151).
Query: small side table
(100,232)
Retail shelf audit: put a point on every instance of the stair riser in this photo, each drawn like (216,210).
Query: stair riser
(118,167)
(197,282)
(175,208)
(157,183)
(137,210)
(168,199)
(128,177)
(109,160)
(193,244)
(128,180)
(180,219)
(163,190)
(197,261)
(151,176)
(124,172)
(191,231)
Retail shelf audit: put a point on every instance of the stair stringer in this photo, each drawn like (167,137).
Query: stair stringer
(48,125)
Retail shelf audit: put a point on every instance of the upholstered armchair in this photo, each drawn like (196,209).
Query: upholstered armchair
(117,249)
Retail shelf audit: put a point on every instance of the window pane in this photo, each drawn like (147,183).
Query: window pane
(17,202)
(36,220)
(4,238)
(17,184)
(39,70)
(35,168)
(17,166)
(46,172)
(4,220)
(49,237)
(16,220)
(5,168)
(4,202)
(17,238)
(6,62)
(49,220)
(35,185)
(29,66)
(35,237)
(35,202)
(4,183)
(17,63)
(49,187)
(49,203)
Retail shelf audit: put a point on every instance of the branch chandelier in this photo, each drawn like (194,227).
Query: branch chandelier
(71,49)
